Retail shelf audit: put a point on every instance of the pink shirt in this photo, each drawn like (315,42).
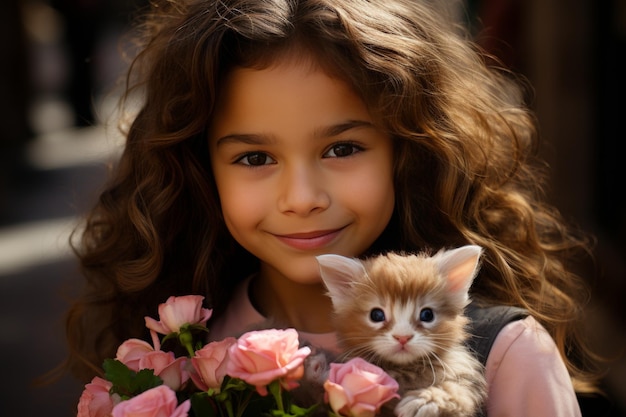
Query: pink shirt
(525,373)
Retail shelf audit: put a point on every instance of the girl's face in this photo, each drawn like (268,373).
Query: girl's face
(300,168)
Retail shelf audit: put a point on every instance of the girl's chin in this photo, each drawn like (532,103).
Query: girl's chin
(305,279)
(303,272)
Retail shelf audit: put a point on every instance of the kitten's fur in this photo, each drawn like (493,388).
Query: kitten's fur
(377,307)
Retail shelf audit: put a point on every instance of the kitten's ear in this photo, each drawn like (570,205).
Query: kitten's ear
(459,266)
(338,273)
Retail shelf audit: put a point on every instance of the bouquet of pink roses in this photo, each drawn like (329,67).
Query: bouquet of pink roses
(249,376)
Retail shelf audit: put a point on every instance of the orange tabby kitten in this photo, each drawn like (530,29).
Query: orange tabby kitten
(404,313)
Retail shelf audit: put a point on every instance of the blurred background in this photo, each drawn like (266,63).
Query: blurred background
(61,61)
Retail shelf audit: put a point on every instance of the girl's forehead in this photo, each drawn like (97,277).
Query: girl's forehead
(287,98)
(282,79)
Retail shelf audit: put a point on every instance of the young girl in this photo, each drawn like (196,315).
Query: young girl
(274,131)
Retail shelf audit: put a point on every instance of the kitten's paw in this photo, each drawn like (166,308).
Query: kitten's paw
(429,402)
(316,367)
(416,407)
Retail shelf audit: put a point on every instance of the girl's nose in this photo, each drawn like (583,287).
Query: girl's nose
(303,191)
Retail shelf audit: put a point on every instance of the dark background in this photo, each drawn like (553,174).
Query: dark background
(60,61)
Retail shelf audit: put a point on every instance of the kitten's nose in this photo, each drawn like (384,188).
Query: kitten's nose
(403,339)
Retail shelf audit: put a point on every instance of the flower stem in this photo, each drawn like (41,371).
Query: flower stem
(243,404)
(229,409)
(276,389)
(186,339)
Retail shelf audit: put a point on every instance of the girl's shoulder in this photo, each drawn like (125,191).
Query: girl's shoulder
(526,374)
(523,367)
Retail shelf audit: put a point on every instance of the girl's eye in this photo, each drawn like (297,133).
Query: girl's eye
(255,159)
(427,315)
(342,150)
(377,315)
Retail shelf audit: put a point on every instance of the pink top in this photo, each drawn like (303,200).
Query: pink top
(525,373)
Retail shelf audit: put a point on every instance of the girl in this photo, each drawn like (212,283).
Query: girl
(274,131)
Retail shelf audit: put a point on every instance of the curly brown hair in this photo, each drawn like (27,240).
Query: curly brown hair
(465,164)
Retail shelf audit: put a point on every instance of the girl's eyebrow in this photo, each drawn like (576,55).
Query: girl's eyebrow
(335,130)
(245,138)
(324,132)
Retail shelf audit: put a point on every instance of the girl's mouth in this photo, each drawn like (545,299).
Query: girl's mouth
(310,240)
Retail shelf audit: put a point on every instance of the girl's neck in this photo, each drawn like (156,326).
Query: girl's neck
(305,307)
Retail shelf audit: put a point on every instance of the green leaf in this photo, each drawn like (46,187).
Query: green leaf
(294,411)
(146,379)
(116,372)
(169,336)
(235,384)
(302,412)
(198,327)
(127,382)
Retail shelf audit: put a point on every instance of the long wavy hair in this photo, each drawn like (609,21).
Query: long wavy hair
(465,163)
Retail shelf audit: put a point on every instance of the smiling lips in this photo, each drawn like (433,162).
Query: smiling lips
(311,240)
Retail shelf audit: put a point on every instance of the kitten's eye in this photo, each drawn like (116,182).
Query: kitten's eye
(427,315)
(377,315)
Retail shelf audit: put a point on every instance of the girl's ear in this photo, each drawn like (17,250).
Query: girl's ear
(459,266)
(338,273)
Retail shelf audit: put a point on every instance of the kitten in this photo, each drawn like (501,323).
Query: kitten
(404,313)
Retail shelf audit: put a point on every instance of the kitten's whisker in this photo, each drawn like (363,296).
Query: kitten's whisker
(432,368)
(444,366)
(356,340)
(362,351)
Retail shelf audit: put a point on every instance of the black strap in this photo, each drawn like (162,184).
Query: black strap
(485,325)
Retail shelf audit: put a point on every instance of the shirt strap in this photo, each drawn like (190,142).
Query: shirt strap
(485,324)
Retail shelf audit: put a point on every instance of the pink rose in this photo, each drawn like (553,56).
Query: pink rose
(178,311)
(210,364)
(131,351)
(167,367)
(156,402)
(137,354)
(260,357)
(95,400)
(358,388)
